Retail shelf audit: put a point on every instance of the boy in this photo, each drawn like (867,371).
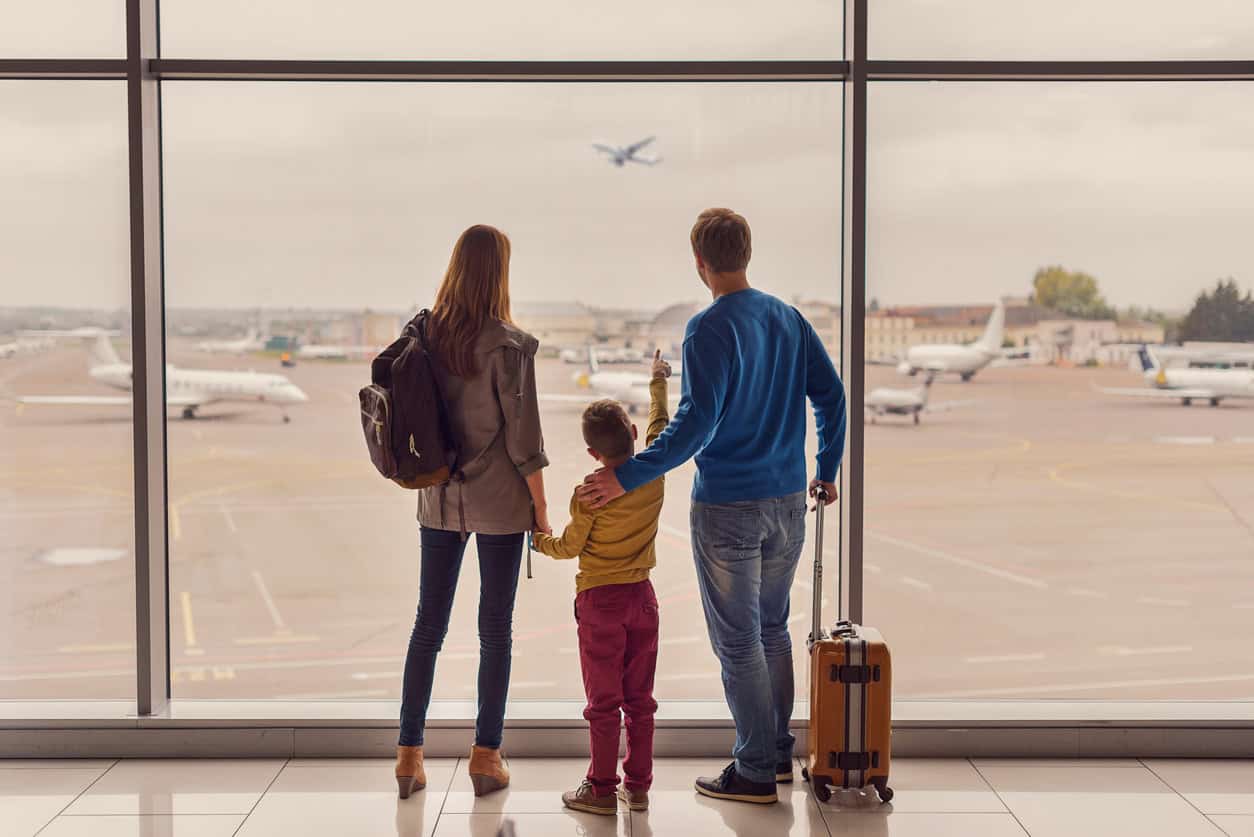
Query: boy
(615,607)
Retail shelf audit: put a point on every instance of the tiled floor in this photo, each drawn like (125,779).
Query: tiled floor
(315,798)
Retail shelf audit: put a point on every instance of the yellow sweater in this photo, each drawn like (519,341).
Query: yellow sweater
(615,542)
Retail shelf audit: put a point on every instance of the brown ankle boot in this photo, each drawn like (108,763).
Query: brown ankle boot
(410,775)
(487,773)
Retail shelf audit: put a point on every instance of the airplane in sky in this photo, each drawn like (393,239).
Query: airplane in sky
(620,155)
(885,401)
(631,389)
(251,342)
(188,389)
(964,360)
(1186,383)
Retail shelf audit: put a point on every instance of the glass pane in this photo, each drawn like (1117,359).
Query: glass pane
(1061,30)
(63,29)
(321,216)
(67,588)
(543,30)
(1076,530)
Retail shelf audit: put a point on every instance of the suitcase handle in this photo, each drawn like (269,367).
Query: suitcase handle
(816,627)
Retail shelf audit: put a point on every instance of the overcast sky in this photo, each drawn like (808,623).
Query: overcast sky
(351,195)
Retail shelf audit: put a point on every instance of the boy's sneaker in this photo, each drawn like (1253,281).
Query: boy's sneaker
(731,785)
(584,798)
(635,800)
(783,772)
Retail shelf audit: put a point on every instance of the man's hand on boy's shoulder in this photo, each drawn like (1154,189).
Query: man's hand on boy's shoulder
(599,488)
(661,369)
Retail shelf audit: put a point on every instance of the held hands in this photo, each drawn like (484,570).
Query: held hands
(600,487)
(542,521)
(826,491)
(661,369)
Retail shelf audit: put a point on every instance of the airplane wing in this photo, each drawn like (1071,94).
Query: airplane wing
(103,400)
(645,161)
(1152,392)
(605,148)
(632,149)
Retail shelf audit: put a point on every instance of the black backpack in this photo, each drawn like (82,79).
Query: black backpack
(403,413)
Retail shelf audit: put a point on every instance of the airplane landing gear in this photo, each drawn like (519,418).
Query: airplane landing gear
(189,413)
(1186,401)
(916,418)
(967,376)
(1214,402)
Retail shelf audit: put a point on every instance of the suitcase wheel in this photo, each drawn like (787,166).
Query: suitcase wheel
(821,789)
(886,795)
(882,788)
(805,773)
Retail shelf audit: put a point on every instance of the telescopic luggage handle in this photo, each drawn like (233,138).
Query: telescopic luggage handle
(816,625)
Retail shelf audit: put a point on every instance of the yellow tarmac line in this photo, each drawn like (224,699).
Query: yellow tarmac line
(189,626)
(97,648)
(277,639)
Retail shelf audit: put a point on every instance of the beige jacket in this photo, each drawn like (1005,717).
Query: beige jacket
(495,421)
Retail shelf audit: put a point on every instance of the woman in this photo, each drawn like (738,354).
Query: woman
(486,369)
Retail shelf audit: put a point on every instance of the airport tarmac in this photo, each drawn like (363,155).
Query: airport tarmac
(1045,541)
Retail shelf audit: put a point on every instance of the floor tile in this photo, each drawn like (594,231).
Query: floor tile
(1069,764)
(536,787)
(45,764)
(1096,801)
(348,798)
(153,825)
(534,825)
(1235,826)
(676,810)
(934,786)
(1218,786)
(29,799)
(164,786)
(894,824)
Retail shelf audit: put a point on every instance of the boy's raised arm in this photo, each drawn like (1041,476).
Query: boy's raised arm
(571,542)
(659,415)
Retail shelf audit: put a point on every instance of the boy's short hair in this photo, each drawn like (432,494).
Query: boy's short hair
(722,239)
(606,428)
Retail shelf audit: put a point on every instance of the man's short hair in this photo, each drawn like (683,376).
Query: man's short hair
(606,428)
(722,239)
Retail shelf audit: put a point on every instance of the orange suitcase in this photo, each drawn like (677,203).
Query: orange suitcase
(850,699)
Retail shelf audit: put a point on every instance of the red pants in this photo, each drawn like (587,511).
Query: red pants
(618,626)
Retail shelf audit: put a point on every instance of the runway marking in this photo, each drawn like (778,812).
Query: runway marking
(530,684)
(1125,651)
(1006,658)
(279,625)
(1151,600)
(682,640)
(1243,440)
(359,693)
(916,583)
(931,552)
(875,568)
(1055,474)
(375,675)
(1084,593)
(276,639)
(692,675)
(1184,440)
(97,648)
(1090,686)
(189,626)
(230,519)
(674,531)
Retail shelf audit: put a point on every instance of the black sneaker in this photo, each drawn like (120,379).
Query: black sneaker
(783,772)
(731,785)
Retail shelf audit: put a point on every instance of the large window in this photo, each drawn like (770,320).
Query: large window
(316,218)
(67,628)
(1075,542)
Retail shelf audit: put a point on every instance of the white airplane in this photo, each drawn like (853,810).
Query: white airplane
(251,342)
(962,360)
(620,155)
(10,349)
(629,388)
(329,352)
(189,389)
(906,402)
(1187,383)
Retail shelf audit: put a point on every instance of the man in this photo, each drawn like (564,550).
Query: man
(750,362)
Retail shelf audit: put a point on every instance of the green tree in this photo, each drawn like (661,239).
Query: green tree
(1221,314)
(1074,293)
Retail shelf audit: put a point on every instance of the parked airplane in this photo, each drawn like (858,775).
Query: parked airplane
(329,352)
(963,360)
(907,402)
(251,342)
(629,388)
(189,389)
(620,155)
(1187,383)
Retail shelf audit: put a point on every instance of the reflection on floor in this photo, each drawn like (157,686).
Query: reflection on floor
(321,798)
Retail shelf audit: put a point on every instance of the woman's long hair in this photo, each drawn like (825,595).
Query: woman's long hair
(475,291)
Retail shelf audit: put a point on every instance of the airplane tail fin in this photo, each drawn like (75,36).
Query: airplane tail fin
(102,353)
(594,365)
(994,329)
(1149,363)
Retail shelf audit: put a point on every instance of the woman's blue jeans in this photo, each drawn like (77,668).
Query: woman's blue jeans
(499,559)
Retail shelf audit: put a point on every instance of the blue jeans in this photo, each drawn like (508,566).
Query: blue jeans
(746,555)
(499,559)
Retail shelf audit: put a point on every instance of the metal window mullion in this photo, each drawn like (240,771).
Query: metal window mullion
(152,659)
(853,303)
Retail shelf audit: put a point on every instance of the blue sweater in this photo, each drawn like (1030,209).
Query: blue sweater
(750,362)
